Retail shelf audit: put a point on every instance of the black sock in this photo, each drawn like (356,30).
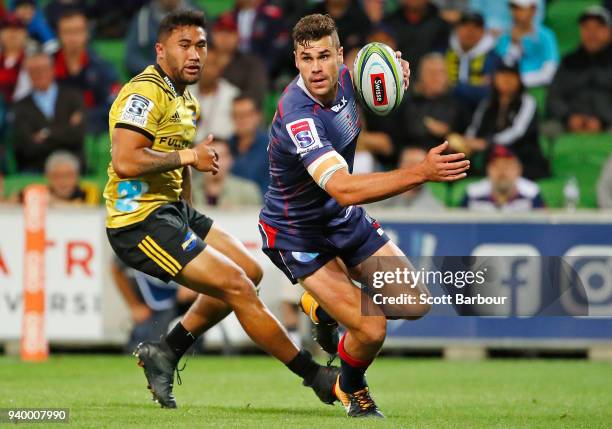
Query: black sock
(352,378)
(323,316)
(352,371)
(304,366)
(179,340)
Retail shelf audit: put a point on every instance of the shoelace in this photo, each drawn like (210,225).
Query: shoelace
(179,370)
(178,373)
(363,399)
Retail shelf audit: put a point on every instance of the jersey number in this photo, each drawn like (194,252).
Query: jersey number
(128,191)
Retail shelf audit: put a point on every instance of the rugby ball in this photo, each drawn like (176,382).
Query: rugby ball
(378,78)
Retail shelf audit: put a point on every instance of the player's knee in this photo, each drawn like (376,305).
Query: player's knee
(373,330)
(238,286)
(254,272)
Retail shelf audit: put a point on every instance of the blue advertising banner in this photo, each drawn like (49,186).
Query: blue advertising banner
(585,247)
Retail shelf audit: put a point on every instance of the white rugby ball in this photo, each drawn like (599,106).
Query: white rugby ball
(378,78)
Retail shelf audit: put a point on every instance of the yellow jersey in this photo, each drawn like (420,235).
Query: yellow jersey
(150,105)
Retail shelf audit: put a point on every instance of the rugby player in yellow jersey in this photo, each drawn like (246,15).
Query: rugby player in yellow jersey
(152,227)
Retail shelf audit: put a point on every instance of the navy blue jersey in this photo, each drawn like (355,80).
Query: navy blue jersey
(303,130)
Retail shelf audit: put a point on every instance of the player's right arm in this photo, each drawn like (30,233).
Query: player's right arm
(132,155)
(136,116)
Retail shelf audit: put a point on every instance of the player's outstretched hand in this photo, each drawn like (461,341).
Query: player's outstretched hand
(405,69)
(444,168)
(207,157)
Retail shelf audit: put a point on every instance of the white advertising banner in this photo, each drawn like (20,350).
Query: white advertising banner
(74,274)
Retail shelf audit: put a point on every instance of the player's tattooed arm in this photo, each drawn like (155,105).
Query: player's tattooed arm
(132,156)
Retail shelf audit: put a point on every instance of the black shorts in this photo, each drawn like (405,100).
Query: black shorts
(162,244)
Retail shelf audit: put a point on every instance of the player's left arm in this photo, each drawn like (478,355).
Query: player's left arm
(331,173)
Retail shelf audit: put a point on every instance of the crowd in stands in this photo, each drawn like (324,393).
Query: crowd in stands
(476,68)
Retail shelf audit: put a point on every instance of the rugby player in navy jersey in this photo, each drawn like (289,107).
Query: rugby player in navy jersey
(312,226)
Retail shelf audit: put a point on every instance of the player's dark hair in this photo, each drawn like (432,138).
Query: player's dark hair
(314,27)
(181,18)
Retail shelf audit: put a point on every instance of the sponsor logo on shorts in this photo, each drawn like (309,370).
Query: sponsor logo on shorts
(379,89)
(304,256)
(136,110)
(304,135)
(189,242)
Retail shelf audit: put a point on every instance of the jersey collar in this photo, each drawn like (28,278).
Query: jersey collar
(168,81)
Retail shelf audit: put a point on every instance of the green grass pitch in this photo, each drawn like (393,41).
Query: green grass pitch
(246,392)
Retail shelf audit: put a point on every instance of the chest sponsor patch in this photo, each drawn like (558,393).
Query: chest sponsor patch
(136,110)
(304,135)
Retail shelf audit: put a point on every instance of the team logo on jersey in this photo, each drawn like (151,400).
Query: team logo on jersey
(379,89)
(189,242)
(304,135)
(136,110)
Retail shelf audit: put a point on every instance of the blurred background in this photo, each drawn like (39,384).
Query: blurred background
(524,87)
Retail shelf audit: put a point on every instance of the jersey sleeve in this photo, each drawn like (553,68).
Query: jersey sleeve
(139,108)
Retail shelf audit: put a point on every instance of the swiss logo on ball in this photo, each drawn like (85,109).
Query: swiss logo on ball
(379,89)
(378,78)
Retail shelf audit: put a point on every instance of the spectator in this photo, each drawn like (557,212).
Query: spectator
(509,118)
(54,9)
(452,10)
(111,18)
(153,304)
(49,119)
(431,113)
(471,60)
(419,30)
(13,39)
(581,94)
(246,71)
(497,15)
(78,66)
(604,186)
(504,189)
(225,190)
(38,29)
(351,20)
(262,31)
(374,10)
(532,47)
(62,170)
(416,199)
(215,95)
(249,145)
(142,34)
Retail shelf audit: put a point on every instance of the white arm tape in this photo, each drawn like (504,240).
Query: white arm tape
(323,168)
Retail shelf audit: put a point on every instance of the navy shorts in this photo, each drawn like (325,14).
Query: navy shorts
(354,238)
